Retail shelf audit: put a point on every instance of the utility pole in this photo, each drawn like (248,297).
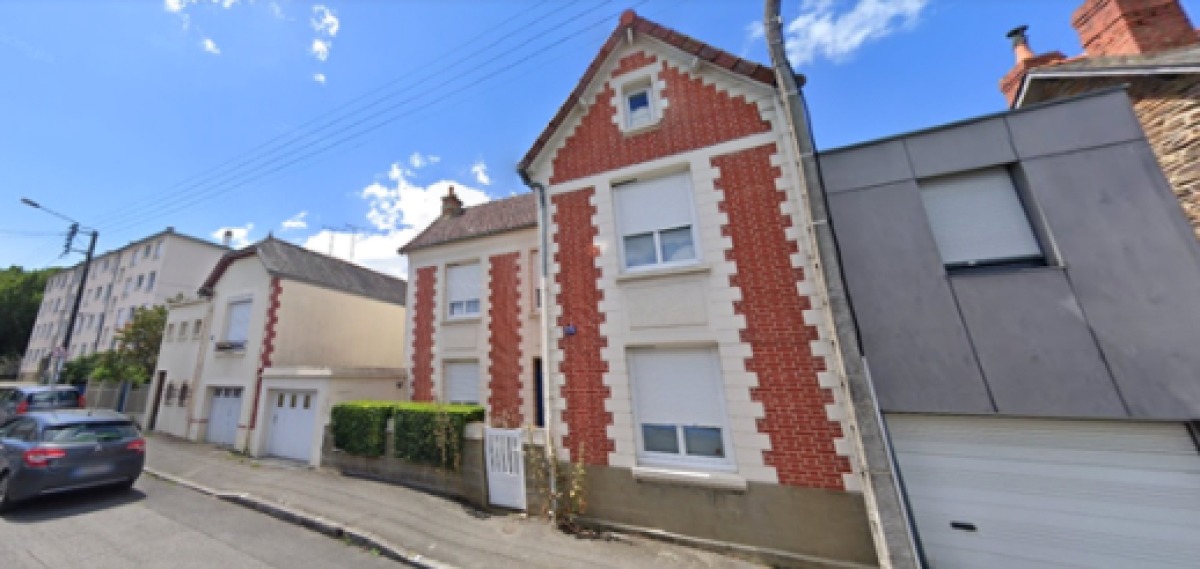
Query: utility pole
(354,231)
(87,265)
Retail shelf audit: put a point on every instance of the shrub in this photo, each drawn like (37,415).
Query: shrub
(360,427)
(433,433)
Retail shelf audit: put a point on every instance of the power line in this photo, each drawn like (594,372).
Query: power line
(349,111)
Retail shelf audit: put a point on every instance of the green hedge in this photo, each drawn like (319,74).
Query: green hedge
(360,427)
(433,433)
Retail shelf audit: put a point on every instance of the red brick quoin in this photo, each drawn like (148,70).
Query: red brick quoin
(579,298)
(802,436)
(424,308)
(504,404)
(696,116)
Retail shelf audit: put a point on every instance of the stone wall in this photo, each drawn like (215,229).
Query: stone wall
(1168,106)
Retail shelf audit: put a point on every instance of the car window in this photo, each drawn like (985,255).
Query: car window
(40,399)
(22,430)
(7,426)
(89,432)
(68,396)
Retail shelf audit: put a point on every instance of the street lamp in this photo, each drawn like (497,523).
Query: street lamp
(87,264)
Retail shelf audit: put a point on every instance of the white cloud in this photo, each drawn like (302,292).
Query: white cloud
(241,235)
(320,49)
(755,30)
(479,169)
(821,30)
(324,21)
(319,78)
(210,46)
(398,213)
(296,222)
(175,6)
(276,10)
(418,161)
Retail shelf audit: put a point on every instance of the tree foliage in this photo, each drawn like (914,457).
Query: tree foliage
(136,355)
(20,299)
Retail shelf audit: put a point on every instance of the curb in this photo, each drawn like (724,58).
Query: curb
(318,524)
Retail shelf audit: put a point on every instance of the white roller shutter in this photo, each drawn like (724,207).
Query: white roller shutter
(237,329)
(678,386)
(989,492)
(660,203)
(462,382)
(978,217)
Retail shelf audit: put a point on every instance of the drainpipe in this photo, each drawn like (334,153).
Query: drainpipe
(888,516)
(547,367)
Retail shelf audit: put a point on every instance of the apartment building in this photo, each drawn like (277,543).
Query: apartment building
(144,273)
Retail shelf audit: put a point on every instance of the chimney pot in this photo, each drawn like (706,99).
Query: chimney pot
(227,238)
(1020,43)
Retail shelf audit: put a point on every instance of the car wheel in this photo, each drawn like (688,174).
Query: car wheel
(5,501)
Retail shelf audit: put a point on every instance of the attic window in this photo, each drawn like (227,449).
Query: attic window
(638,110)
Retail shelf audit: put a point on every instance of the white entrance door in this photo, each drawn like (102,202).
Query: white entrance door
(223,415)
(1038,493)
(293,417)
(505,468)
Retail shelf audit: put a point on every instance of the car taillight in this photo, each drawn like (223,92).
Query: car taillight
(39,457)
(82,402)
(138,445)
(22,407)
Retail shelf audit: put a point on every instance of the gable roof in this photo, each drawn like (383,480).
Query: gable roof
(1183,60)
(631,21)
(516,212)
(288,261)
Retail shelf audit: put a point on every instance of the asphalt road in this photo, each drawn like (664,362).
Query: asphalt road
(159,524)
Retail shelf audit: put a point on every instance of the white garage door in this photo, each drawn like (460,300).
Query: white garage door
(1028,493)
(223,415)
(293,418)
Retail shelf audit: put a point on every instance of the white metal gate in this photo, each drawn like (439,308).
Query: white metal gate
(223,416)
(505,467)
(293,414)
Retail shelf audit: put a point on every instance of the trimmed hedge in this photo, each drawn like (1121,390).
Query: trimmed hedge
(360,427)
(433,433)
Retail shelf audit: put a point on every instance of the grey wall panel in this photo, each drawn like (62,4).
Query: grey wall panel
(1066,127)
(865,166)
(920,356)
(1037,353)
(961,148)
(1135,272)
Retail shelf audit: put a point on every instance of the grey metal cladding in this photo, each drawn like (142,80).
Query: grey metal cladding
(921,358)
(862,167)
(957,149)
(1067,127)
(1033,343)
(1134,267)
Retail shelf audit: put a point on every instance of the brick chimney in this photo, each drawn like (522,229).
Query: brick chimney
(451,205)
(1129,27)
(1010,84)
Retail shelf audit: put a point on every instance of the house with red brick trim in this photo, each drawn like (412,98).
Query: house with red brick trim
(474,325)
(1153,47)
(275,337)
(687,355)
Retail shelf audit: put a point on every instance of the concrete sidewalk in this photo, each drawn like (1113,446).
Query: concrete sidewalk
(431,527)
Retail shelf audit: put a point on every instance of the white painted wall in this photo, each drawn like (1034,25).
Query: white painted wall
(179,358)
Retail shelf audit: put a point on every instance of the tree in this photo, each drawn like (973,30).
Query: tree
(80,369)
(136,355)
(20,299)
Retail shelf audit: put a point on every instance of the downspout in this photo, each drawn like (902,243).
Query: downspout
(888,517)
(198,369)
(547,377)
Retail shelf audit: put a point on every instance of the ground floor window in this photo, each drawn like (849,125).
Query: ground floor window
(679,405)
(462,382)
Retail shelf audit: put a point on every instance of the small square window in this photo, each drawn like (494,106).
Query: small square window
(638,107)
(660,438)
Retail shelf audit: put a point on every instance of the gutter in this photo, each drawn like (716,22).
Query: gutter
(1098,72)
(887,515)
(547,378)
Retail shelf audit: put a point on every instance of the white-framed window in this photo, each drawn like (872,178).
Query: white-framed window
(639,105)
(150,280)
(655,220)
(128,285)
(158,249)
(978,219)
(183,326)
(196,328)
(679,408)
(462,382)
(464,285)
(237,324)
(141,279)
(170,335)
(146,251)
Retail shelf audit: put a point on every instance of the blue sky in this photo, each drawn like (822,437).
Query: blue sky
(135,115)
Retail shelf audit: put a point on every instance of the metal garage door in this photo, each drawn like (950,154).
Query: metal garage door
(223,415)
(293,417)
(1003,492)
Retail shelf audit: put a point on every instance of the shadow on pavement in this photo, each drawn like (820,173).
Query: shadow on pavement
(69,504)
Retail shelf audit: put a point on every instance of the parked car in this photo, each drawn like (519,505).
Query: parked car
(8,386)
(26,398)
(46,452)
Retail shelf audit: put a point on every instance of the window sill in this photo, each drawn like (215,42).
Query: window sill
(462,320)
(716,480)
(636,130)
(695,269)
